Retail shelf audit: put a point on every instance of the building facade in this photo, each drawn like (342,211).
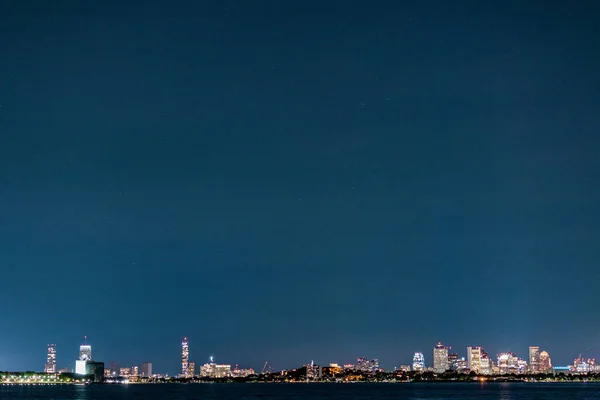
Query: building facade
(213,370)
(508,363)
(80,367)
(544,363)
(440,358)
(50,367)
(85,352)
(474,357)
(147,369)
(453,361)
(534,359)
(418,362)
(96,369)
(364,365)
(185,358)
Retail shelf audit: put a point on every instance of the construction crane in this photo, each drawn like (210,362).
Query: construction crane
(264,367)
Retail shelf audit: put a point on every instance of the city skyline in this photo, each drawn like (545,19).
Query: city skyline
(440,360)
(288,181)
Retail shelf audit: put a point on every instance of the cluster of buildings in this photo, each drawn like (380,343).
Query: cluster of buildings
(210,369)
(85,365)
(478,361)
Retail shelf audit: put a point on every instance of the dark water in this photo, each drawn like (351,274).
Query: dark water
(412,391)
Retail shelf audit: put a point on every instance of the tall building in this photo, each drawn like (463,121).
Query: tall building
(50,367)
(96,369)
(453,361)
(418,362)
(85,355)
(85,351)
(191,369)
(462,365)
(534,359)
(440,358)
(544,362)
(486,366)
(185,357)
(147,369)
(474,357)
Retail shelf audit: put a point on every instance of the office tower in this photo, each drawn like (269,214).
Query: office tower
(147,369)
(185,357)
(362,364)
(85,351)
(462,366)
(544,362)
(522,366)
(114,368)
(453,362)
(50,367)
(191,369)
(440,358)
(124,371)
(534,359)
(214,370)
(135,371)
(474,357)
(96,369)
(508,363)
(312,371)
(418,362)
(486,366)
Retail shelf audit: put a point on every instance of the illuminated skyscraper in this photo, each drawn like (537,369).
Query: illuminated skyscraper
(191,369)
(85,355)
(51,360)
(534,359)
(85,351)
(474,357)
(440,358)
(185,357)
(453,362)
(418,362)
(545,364)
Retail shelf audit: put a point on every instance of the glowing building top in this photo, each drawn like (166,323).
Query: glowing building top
(85,351)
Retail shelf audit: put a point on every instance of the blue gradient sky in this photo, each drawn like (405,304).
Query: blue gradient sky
(299,180)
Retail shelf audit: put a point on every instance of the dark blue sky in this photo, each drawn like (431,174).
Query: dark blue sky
(298,180)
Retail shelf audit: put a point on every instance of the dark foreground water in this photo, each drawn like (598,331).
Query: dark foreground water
(361,391)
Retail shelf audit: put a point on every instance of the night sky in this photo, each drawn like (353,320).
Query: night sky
(298,180)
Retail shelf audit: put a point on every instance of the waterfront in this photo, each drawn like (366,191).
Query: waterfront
(319,391)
